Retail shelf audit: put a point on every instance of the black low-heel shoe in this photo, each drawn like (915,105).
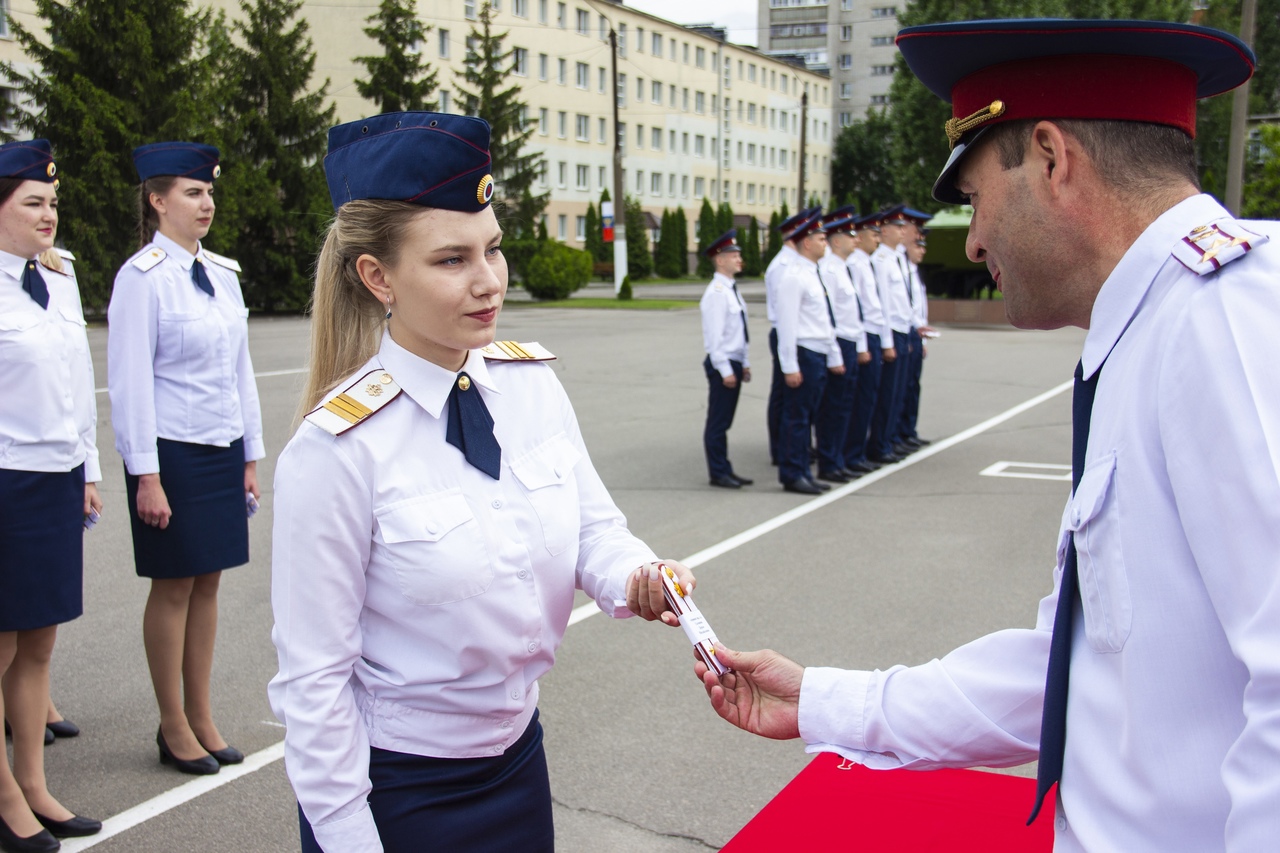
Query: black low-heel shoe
(77,827)
(206,766)
(226,755)
(63,728)
(42,842)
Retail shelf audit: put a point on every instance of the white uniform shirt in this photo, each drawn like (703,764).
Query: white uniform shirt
(919,299)
(803,318)
(1173,718)
(178,362)
(891,282)
(723,316)
(48,415)
(864,281)
(772,275)
(844,299)
(417,600)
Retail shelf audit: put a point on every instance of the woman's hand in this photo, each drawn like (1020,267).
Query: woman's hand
(251,479)
(153,504)
(644,591)
(92,502)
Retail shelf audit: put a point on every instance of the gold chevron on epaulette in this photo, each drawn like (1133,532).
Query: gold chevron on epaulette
(513,351)
(355,404)
(1209,247)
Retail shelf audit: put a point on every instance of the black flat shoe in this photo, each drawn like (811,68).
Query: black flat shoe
(42,842)
(822,487)
(850,474)
(726,483)
(802,487)
(206,766)
(833,476)
(77,827)
(63,728)
(862,467)
(226,755)
(744,481)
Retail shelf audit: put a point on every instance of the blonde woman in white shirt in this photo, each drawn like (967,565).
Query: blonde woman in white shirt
(434,514)
(48,482)
(187,421)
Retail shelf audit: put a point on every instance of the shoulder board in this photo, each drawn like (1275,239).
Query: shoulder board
(222,260)
(1208,248)
(354,405)
(54,271)
(148,258)
(65,254)
(512,351)
(719,287)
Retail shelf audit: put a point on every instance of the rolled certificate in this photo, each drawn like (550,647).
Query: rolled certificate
(691,620)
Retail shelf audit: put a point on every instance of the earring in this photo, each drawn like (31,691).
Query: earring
(388,307)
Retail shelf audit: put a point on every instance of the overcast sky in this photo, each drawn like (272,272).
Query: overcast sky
(738,15)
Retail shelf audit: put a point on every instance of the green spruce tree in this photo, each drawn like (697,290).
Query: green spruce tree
(707,233)
(639,260)
(724,219)
(106,81)
(773,240)
(399,79)
(488,95)
(594,243)
(682,243)
(862,163)
(751,250)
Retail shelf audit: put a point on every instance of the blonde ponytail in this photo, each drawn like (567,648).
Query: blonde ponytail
(346,319)
(52,259)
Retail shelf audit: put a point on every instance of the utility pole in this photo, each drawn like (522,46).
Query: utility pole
(1240,118)
(619,200)
(804,123)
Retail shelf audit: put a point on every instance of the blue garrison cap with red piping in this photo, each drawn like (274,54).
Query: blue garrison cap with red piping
(726,242)
(1004,70)
(30,160)
(182,159)
(432,159)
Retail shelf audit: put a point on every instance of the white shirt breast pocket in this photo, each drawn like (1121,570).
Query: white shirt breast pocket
(1094,516)
(187,334)
(436,548)
(546,472)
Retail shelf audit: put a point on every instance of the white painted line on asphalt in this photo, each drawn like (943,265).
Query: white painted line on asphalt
(1010,469)
(722,548)
(261,375)
(158,805)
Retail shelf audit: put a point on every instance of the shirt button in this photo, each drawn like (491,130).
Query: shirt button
(522,574)
(506,724)
(497,504)
(515,694)
(431,528)
(497,750)
(533,647)
(1060,823)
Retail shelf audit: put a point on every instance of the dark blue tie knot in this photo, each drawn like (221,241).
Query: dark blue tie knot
(200,276)
(470,428)
(33,284)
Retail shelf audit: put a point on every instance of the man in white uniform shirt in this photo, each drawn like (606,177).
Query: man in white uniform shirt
(772,276)
(1165,606)
(879,343)
(891,283)
(724,336)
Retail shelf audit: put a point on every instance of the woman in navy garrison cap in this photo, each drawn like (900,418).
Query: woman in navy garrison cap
(185,411)
(48,481)
(434,514)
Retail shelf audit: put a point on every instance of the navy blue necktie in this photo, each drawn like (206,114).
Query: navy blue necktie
(827,297)
(201,277)
(33,284)
(470,427)
(1053,724)
(746,335)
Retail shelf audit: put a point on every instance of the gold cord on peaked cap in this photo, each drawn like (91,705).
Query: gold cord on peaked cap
(956,128)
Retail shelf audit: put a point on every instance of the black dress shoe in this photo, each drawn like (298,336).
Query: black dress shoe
(726,482)
(885,460)
(833,476)
(803,487)
(77,827)
(742,481)
(226,755)
(42,842)
(921,442)
(822,487)
(850,474)
(862,467)
(63,728)
(902,449)
(205,766)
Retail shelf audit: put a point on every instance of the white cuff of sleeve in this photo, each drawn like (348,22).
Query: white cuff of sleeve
(142,463)
(356,833)
(832,716)
(254,449)
(92,469)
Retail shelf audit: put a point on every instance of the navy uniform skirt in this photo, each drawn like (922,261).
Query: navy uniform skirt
(41,548)
(460,805)
(209,529)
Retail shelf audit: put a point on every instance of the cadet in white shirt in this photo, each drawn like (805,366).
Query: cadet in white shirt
(48,480)
(772,276)
(891,283)
(1165,609)
(724,336)
(187,421)
(908,439)
(807,352)
(434,514)
(879,343)
(835,412)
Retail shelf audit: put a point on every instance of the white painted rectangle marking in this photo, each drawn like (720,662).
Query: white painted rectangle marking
(1028,471)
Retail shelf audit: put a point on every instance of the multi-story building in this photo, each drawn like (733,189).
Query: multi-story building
(24,12)
(852,40)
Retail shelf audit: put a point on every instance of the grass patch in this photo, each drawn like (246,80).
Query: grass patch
(604,302)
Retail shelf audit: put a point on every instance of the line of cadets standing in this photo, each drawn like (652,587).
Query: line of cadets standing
(848,316)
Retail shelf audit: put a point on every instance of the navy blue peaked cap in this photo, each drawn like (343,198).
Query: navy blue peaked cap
(837,222)
(31,160)
(726,242)
(919,217)
(870,222)
(809,226)
(789,225)
(182,159)
(895,214)
(432,159)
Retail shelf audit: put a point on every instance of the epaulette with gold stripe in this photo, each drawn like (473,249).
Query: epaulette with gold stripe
(146,260)
(223,261)
(355,404)
(1208,248)
(512,351)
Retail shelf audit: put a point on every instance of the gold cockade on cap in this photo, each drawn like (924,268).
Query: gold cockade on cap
(958,127)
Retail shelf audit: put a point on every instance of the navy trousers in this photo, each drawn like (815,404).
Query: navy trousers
(799,408)
(775,401)
(835,411)
(864,403)
(722,402)
(911,397)
(884,421)
(460,805)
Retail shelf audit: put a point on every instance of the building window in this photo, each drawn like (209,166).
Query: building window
(881,70)
(671,90)
(884,12)
(655,141)
(561,70)
(684,100)
(584,22)
(444,100)
(604,28)
(639,181)
(751,193)
(846,33)
(543,62)
(699,187)
(657,92)
(469,9)
(582,128)
(520,8)
(622,39)
(782,158)
(751,153)
(640,39)
(561,225)
(562,175)
(684,186)
(622,90)
(684,144)
(699,146)
(542,11)
(671,53)
(544,120)
(700,57)
(562,124)
(846,5)
(671,140)
(738,190)
(655,183)
(880,100)
(751,113)
(562,15)
(603,133)
(846,91)
(582,228)
(751,73)
(846,61)
(583,75)
(520,62)
(671,185)
(602,177)
(846,119)
(881,41)
(583,178)
(699,102)
(542,172)
(657,45)
(600,80)
(639,136)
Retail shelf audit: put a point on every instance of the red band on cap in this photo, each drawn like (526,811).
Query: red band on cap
(1124,88)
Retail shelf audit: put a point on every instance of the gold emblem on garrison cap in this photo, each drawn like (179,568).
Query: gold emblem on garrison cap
(56,183)
(958,127)
(217,170)
(51,169)
(484,192)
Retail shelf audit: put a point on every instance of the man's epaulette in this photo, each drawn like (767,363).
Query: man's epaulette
(65,254)
(147,259)
(512,351)
(356,403)
(1208,248)
(223,261)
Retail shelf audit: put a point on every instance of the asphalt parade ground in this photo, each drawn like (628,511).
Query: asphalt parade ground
(899,567)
